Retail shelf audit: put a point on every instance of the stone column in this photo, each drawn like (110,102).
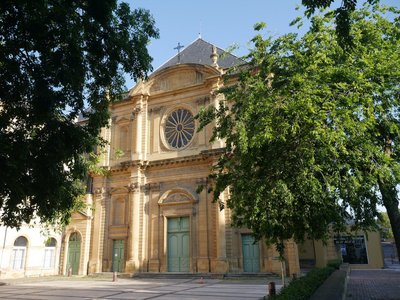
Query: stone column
(154,255)
(203,227)
(221,264)
(139,131)
(95,262)
(132,261)
(87,234)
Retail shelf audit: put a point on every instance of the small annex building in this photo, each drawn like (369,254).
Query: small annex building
(33,250)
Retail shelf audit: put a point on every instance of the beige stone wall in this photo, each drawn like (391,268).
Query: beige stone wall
(149,182)
(82,227)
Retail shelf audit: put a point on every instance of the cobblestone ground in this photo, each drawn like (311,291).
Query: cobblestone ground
(374,285)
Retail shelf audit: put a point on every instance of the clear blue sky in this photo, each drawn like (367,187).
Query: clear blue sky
(223,22)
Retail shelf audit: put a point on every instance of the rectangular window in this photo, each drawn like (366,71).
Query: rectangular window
(18,258)
(48,261)
(352,248)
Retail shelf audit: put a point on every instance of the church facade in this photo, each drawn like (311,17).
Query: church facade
(147,215)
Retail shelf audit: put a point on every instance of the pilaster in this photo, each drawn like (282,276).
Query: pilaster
(203,227)
(154,230)
(132,261)
(95,262)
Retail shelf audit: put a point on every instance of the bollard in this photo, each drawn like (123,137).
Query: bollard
(271,289)
(115,276)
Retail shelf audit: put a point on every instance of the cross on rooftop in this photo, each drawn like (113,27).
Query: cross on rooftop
(179,47)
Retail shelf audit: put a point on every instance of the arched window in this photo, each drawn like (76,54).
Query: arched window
(19,253)
(49,253)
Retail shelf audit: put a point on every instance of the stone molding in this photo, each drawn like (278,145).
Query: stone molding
(154,187)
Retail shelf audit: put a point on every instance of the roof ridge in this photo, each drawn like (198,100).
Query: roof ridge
(198,38)
(189,55)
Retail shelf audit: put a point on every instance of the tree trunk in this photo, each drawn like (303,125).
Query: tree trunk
(391,203)
(280,247)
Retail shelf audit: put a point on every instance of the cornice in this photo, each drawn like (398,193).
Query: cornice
(144,164)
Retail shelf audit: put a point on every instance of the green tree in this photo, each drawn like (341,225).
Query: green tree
(312,131)
(384,223)
(342,16)
(58,60)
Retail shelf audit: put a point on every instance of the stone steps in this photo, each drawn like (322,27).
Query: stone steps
(250,275)
(183,275)
(172,275)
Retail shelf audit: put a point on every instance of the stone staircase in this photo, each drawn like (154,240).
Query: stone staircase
(184,275)
(172,275)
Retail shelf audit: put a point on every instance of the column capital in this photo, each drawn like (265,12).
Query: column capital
(133,187)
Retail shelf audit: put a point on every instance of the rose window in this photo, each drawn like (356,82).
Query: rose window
(179,128)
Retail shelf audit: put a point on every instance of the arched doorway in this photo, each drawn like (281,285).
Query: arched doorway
(74,253)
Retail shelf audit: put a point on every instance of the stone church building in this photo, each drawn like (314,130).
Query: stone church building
(146,215)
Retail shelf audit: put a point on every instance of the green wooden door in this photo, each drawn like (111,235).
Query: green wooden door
(118,256)
(74,253)
(251,254)
(178,244)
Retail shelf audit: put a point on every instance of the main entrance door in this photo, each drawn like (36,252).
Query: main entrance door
(251,254)
(178,244)
(74,253)
(118,256)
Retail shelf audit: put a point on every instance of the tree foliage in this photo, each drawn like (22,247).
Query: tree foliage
(342,16)
(58,60)
(384,224)
(312,131)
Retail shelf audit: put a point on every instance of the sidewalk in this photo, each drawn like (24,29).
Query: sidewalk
(374,284)
(74,288)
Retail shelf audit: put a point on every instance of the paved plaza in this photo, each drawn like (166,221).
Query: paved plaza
(374,285)
(159,289)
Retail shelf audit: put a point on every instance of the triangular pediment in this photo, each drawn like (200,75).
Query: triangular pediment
(79,215)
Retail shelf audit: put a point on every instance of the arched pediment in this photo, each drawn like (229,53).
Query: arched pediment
(175,77)
(177,197)
(121,120)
